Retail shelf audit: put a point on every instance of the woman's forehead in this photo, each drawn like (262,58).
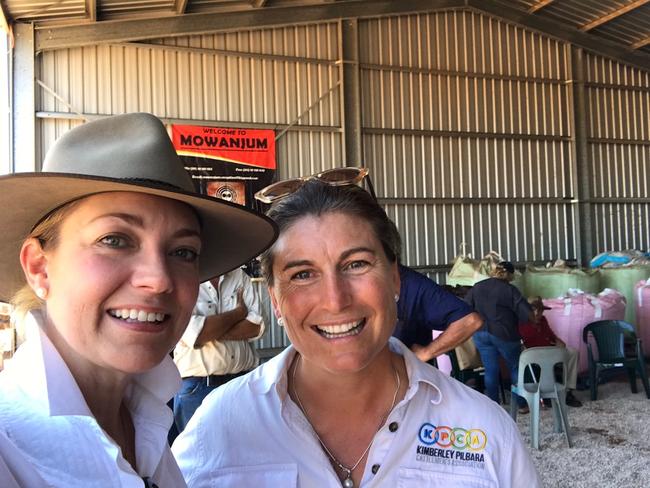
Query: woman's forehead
(138,205)
(333,231)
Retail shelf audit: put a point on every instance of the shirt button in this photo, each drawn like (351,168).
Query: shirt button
(375,468)
(393,426)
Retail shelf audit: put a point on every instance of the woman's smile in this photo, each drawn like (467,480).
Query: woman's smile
(341,330)
(140,320)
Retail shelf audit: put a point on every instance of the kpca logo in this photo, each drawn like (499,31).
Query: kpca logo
(455,437)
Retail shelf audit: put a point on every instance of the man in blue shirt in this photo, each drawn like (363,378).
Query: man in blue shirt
(423,307)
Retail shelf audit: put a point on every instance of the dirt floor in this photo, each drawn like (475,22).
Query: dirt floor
(611,441)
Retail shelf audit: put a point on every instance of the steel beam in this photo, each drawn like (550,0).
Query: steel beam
(351,99)
(582,174)
(91,10)
(464,134)
(180,6)
(66,36)
(210,123)
(23,100)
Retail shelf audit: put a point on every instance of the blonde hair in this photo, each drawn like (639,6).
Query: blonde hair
(502,274)
(46,231)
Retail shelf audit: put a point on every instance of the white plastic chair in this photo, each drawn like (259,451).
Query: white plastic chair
(543,387)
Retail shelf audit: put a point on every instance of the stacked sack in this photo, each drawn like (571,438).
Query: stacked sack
(622,270)
(569,314)
(466,271)
(554,280)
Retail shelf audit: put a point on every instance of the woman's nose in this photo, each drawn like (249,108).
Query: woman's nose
(336,295)
(152,272)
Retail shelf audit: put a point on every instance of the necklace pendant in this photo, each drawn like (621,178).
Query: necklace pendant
(347,482)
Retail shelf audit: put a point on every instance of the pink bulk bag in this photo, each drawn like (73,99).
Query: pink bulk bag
(569,314)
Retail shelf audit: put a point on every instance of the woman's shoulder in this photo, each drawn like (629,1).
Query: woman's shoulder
(460,400)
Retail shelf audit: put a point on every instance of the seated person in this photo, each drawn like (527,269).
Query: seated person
(537,333)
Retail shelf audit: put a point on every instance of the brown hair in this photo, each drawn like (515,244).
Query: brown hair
(317,198)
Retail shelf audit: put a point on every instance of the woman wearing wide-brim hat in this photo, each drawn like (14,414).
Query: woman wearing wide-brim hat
(102,256)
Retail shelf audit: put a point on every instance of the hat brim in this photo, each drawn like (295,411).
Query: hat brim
(232,234)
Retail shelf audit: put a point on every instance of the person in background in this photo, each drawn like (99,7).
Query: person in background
(216,347)
(346,404)
(423,307)
(103,253)
(502,307)
(537,333)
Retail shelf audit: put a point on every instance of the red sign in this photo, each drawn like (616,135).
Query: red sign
(251,147)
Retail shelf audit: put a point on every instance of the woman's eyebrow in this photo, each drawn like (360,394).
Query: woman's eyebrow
(138,222)
(127,217)
(295,264)
(354,250)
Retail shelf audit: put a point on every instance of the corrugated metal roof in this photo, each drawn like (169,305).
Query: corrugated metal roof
(624,23)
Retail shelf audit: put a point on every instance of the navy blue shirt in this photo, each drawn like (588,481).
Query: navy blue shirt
(423,307)
(502,307)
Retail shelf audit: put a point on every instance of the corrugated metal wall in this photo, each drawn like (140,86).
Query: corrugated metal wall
(467,123)
(267,78)
(467,130)
(618,116)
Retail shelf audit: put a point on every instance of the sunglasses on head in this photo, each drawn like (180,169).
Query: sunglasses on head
(333,177)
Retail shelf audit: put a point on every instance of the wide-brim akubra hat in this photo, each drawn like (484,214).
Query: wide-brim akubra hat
(134,153)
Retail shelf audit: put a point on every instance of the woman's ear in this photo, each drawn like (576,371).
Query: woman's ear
(34,262)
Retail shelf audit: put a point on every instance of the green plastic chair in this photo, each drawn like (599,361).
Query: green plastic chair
(618,347)
(536,381)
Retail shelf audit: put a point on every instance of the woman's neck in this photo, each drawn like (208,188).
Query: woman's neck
(359,388)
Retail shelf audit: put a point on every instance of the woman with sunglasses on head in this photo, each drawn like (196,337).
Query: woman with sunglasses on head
(346,404)
(103,253)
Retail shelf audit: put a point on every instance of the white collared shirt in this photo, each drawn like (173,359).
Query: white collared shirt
(250,433)
(15,469)
(219,357)
(45,416)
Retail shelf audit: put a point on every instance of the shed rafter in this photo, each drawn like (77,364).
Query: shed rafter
(91,10)
(539,5)
(613,14)
(180,6)
(640,43)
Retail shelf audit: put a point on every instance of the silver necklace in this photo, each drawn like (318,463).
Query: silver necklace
(347,482)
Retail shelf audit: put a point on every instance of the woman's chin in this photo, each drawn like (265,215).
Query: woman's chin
(137,362)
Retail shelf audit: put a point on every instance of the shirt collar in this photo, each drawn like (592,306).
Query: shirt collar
(418,371)
(45,377)
(274,373)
